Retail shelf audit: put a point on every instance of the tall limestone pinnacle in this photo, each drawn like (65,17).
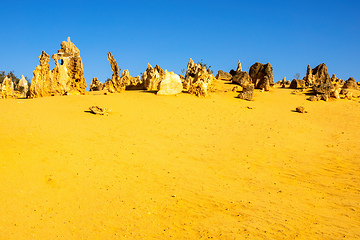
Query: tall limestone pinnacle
(66,78)
(239,69)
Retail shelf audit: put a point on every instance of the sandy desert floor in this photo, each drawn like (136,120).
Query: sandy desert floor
(180,166)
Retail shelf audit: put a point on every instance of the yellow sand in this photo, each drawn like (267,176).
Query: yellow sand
(180,166)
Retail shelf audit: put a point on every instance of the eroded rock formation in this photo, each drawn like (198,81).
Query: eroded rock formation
(298,84)
(42,84)
(68,74)
(308,79)
(350,84)
(23,87)
(316,76)
(239,68)
(96,85)
(197,79)
(114,84)
(170,84)
(258,71)
(7,88)
(225,76)
(152,77)
(247,92)
(66,78)
(129,81)
(242,78)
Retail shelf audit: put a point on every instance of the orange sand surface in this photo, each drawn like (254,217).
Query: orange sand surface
(180,166)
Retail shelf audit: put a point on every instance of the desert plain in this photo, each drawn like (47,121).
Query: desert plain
(181,167)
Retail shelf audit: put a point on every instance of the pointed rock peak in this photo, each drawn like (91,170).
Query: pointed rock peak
(239,69)
(149,66)
(44,58)
(68,39)
(159,69)
(125,73)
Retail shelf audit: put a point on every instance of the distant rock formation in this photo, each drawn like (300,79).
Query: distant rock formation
(283,83)
(96,85)
(258,71)
(7,88)
(114,84)
(23,87)
(298,84)
(334,78)
(152,77)
(321,84)
(239,68)
(308,79)
(197,79)
(66,78)
(225,76)
(131,82)
(320,74)
(350,84)
(170,84)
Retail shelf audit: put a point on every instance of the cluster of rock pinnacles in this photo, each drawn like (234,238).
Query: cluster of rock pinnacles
(67,78)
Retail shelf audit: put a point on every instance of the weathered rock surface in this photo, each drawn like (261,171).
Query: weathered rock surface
(258,71)
(247,92)
(7,88)
(283,83)
(197,79)
(170,84)
(131,82)
(325,89)
(317,75)
(99,110)
(114,84)
(152,77)
(23,87)
(308,79)
(239,68)
(42,84)
(334,78)
(300,109)
(66,78)
(242,78)
(96,85)
(350,84)
(68,74)
(297,84)
(225,76)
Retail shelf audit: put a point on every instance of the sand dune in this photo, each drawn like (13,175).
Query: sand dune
(180,166)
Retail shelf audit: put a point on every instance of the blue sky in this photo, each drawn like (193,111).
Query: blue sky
(288,34)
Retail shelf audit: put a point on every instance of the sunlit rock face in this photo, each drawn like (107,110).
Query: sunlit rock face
(96,85)
(170,84)
(350,84)
(41,83)
(23,87)
(7,88)
(68,74)
(261,75)
(66,78)
(152,77)
(225,76)
(197,79)
(131,82)
(114,84)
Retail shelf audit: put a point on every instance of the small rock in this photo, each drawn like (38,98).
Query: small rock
(99,110)
(300,109)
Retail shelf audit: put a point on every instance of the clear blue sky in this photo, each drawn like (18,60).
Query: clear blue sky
(288,34)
